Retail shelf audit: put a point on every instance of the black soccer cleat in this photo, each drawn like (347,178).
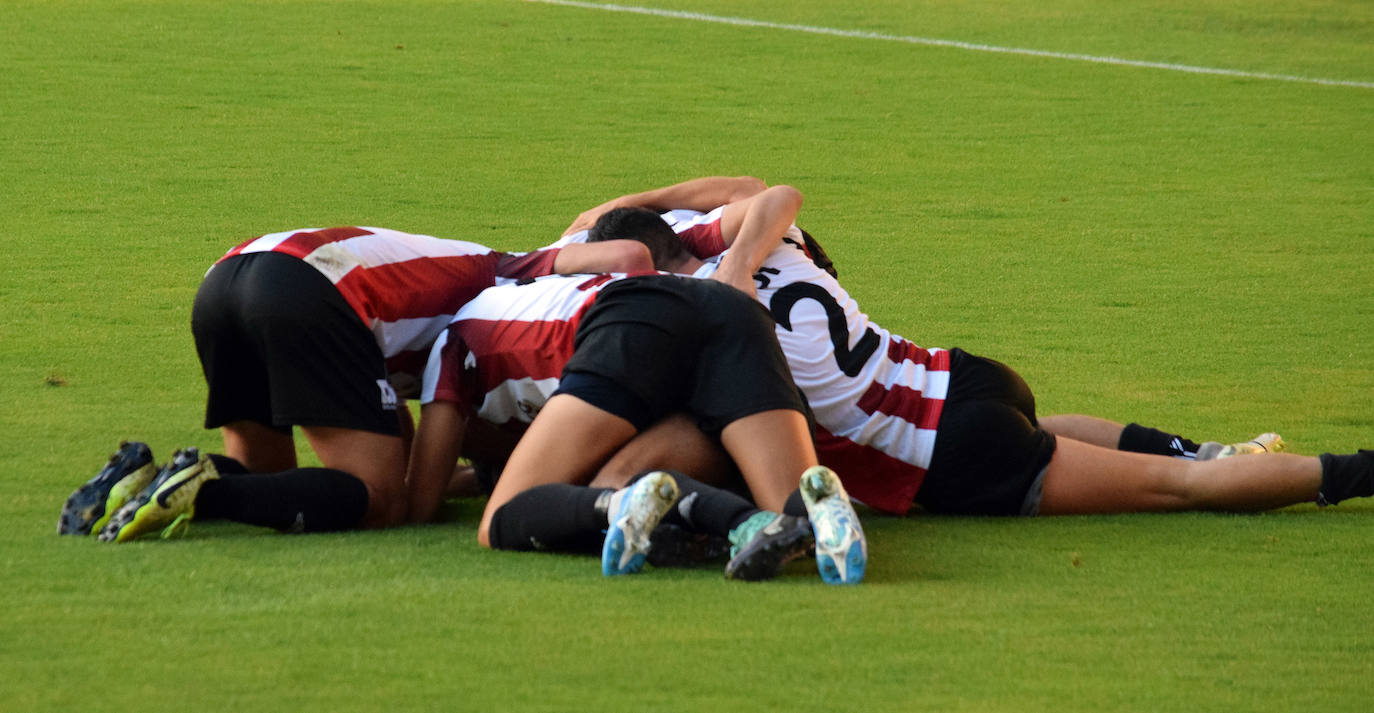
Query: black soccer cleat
(768,545)
(674,546)
(129,470)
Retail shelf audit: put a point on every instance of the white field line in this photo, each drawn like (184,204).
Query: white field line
(974,47)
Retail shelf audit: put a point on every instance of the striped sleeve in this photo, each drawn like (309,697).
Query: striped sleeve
(517,266)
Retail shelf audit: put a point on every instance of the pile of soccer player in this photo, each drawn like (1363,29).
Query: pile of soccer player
(679,379)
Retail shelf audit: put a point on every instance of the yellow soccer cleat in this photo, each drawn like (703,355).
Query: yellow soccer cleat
(167,503)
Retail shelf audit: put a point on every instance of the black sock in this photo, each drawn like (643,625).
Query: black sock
(557,517)
(707,509)
(296,500)
(795,505)
(1346,476)
(1143,439)
(226,465)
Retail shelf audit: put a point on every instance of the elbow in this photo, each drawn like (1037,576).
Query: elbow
(745,187)
(631,256)
(786,196)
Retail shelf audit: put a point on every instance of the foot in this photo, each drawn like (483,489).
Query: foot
(841,551)
(1263,443)
(129,470)
(764,543)
(673,546)
(627,538)
(167,503)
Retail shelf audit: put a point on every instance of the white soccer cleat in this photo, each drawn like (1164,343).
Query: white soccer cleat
(841,550)
(1263,443)
(627,537)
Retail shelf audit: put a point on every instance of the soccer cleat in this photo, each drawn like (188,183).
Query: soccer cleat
(627,539)
(129,470)
(841,551)
(766,542)
(167,503)
(1263,443)
(674,546)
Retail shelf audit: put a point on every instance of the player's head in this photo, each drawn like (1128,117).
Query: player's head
(645,226)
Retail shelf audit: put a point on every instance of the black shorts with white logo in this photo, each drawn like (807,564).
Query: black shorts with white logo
(280,346)
(990,452)
(656,344)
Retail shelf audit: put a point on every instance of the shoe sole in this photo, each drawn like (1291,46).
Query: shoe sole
(613,552)
(765,560)
(150,511)
(829,509)
(90,507)
(672,546)
(855,559)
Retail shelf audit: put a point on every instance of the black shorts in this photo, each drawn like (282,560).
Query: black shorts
(280,346)
(990,452)
(656,344)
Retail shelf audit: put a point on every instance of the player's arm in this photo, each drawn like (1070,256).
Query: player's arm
(753,228)
(608,256)
(699,194)
(438,441)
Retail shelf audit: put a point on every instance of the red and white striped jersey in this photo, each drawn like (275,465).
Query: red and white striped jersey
(877,397)
(504,351)
(405,288)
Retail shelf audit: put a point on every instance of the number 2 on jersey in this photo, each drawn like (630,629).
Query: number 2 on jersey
(850,361)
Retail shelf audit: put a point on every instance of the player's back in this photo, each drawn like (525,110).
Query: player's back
(876,396)
(505,349)
(404,287)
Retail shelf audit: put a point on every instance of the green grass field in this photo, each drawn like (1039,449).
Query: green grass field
(1187,250)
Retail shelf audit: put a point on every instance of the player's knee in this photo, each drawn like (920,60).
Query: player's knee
(484,534)
(1183,484)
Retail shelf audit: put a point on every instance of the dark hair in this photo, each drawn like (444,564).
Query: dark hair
(645,226)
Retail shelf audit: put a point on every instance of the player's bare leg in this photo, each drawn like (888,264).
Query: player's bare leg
(378,460)
(772,450)
(567,442)
(259,448)
(1087,429)
(675,443)
(1083,478)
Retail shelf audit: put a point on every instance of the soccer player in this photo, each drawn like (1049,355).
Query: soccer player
(956,432)
(328,330)
(624,352)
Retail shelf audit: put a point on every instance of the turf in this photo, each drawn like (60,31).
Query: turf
(1190,251)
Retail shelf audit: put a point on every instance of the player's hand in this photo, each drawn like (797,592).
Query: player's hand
(739,279)
(587,218)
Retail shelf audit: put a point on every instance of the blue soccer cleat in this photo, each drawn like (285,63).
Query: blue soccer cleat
(627,539)
(841,551)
